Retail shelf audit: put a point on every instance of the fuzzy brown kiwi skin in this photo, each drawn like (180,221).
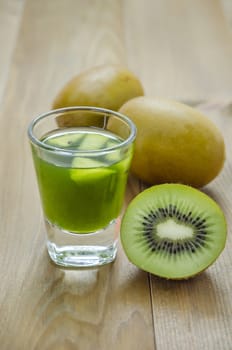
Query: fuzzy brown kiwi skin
(78,118)
(175,143)
(107,86)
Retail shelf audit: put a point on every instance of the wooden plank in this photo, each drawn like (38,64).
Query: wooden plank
(41,306)
(10,15)
(198,312)
(227,10)
(181,49)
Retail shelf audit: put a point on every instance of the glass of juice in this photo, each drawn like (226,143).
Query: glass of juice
(82,157)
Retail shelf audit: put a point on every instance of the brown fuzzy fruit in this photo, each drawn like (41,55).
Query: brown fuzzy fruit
(175,143)
(107,86)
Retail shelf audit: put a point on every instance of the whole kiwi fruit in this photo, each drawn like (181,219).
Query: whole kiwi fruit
(107,86)
(173,231)
(175,142)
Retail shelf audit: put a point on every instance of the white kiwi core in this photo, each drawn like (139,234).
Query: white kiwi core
(172,230)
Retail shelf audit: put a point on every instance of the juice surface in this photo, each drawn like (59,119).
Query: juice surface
(82,193)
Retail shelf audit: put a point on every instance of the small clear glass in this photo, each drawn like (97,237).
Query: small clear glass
(82,156)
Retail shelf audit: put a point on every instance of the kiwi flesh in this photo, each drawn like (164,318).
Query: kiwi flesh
(173,231)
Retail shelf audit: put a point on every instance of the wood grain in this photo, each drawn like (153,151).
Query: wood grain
(43,307)
(10,16)
(198,312)
(180,49)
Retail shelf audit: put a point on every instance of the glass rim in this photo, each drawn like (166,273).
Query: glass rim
(43,145)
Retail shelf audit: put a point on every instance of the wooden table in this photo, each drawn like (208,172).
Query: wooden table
(180,49)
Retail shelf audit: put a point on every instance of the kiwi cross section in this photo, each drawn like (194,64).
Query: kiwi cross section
(174,231)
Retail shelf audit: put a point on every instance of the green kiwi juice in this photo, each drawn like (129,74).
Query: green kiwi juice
(82,193)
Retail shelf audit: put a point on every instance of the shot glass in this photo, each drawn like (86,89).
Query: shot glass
(82,157)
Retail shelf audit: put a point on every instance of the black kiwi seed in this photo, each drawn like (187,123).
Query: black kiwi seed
(161,211)
(195,221)
(173,209)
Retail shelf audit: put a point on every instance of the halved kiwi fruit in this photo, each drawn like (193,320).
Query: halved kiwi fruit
(173,231)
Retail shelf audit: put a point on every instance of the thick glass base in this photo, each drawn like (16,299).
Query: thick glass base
(82,249)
